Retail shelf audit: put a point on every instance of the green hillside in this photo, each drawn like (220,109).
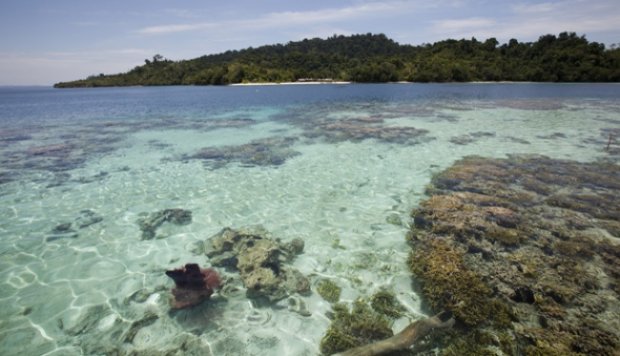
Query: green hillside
(376,58)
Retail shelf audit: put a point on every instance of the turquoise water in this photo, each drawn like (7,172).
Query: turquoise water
(339,166)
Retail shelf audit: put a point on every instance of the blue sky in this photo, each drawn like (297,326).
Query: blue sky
(46,41)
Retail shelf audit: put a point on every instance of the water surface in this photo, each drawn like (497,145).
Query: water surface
(340,166)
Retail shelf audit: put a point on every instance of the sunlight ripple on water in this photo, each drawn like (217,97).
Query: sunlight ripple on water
(339,166)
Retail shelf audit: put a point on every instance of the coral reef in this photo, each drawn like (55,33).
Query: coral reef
(265,152)
(51,149)
(319,123)
(526,252)
(151,222)
(193,285)
(39,151)
(356,130)
(274,151)
(530,104)
(259,259)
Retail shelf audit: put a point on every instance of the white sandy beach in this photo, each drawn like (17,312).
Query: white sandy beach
(290,83)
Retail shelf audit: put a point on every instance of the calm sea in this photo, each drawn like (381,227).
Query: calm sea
(339,166)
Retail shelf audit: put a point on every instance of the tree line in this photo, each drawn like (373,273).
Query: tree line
(375,58)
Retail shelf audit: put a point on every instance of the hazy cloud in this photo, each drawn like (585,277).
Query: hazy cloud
(298,18)
(51,67)
(463,25)
(527,20)
(537,9)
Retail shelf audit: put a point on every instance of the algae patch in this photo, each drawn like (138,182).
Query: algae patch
(354,327)
(329,290)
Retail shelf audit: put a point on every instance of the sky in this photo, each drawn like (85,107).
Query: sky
(46,41)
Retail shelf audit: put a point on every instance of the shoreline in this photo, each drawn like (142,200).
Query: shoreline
(313,83)
(404,82)
(316,82)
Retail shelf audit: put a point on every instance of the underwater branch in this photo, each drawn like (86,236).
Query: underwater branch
(405,338)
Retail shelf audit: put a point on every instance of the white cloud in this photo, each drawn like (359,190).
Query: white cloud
(165,29)
(303,18)
(572,15)
(331,15)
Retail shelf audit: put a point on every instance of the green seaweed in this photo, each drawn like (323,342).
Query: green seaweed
(329,290)
(336,340)
(359,326)
(385,302)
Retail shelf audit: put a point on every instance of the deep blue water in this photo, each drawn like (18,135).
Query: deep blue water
(40,104)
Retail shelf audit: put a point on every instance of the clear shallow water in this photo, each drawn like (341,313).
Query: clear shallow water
(336,165)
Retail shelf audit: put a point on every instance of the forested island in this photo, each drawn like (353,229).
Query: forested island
(375,58)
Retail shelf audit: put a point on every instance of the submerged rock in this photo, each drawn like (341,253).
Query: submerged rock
(517,140)
(524,249)
(61,231)
(62,228)
(260,261)
(553,136)
(148,319)
(471,137)
(298,305)
(101,330)
(85,219)
(150,223)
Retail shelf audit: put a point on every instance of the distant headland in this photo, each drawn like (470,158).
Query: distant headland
(374,58)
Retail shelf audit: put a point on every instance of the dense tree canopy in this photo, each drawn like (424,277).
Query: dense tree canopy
(376,58)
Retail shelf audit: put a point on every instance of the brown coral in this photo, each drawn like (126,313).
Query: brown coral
(193,285)
(523,247)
